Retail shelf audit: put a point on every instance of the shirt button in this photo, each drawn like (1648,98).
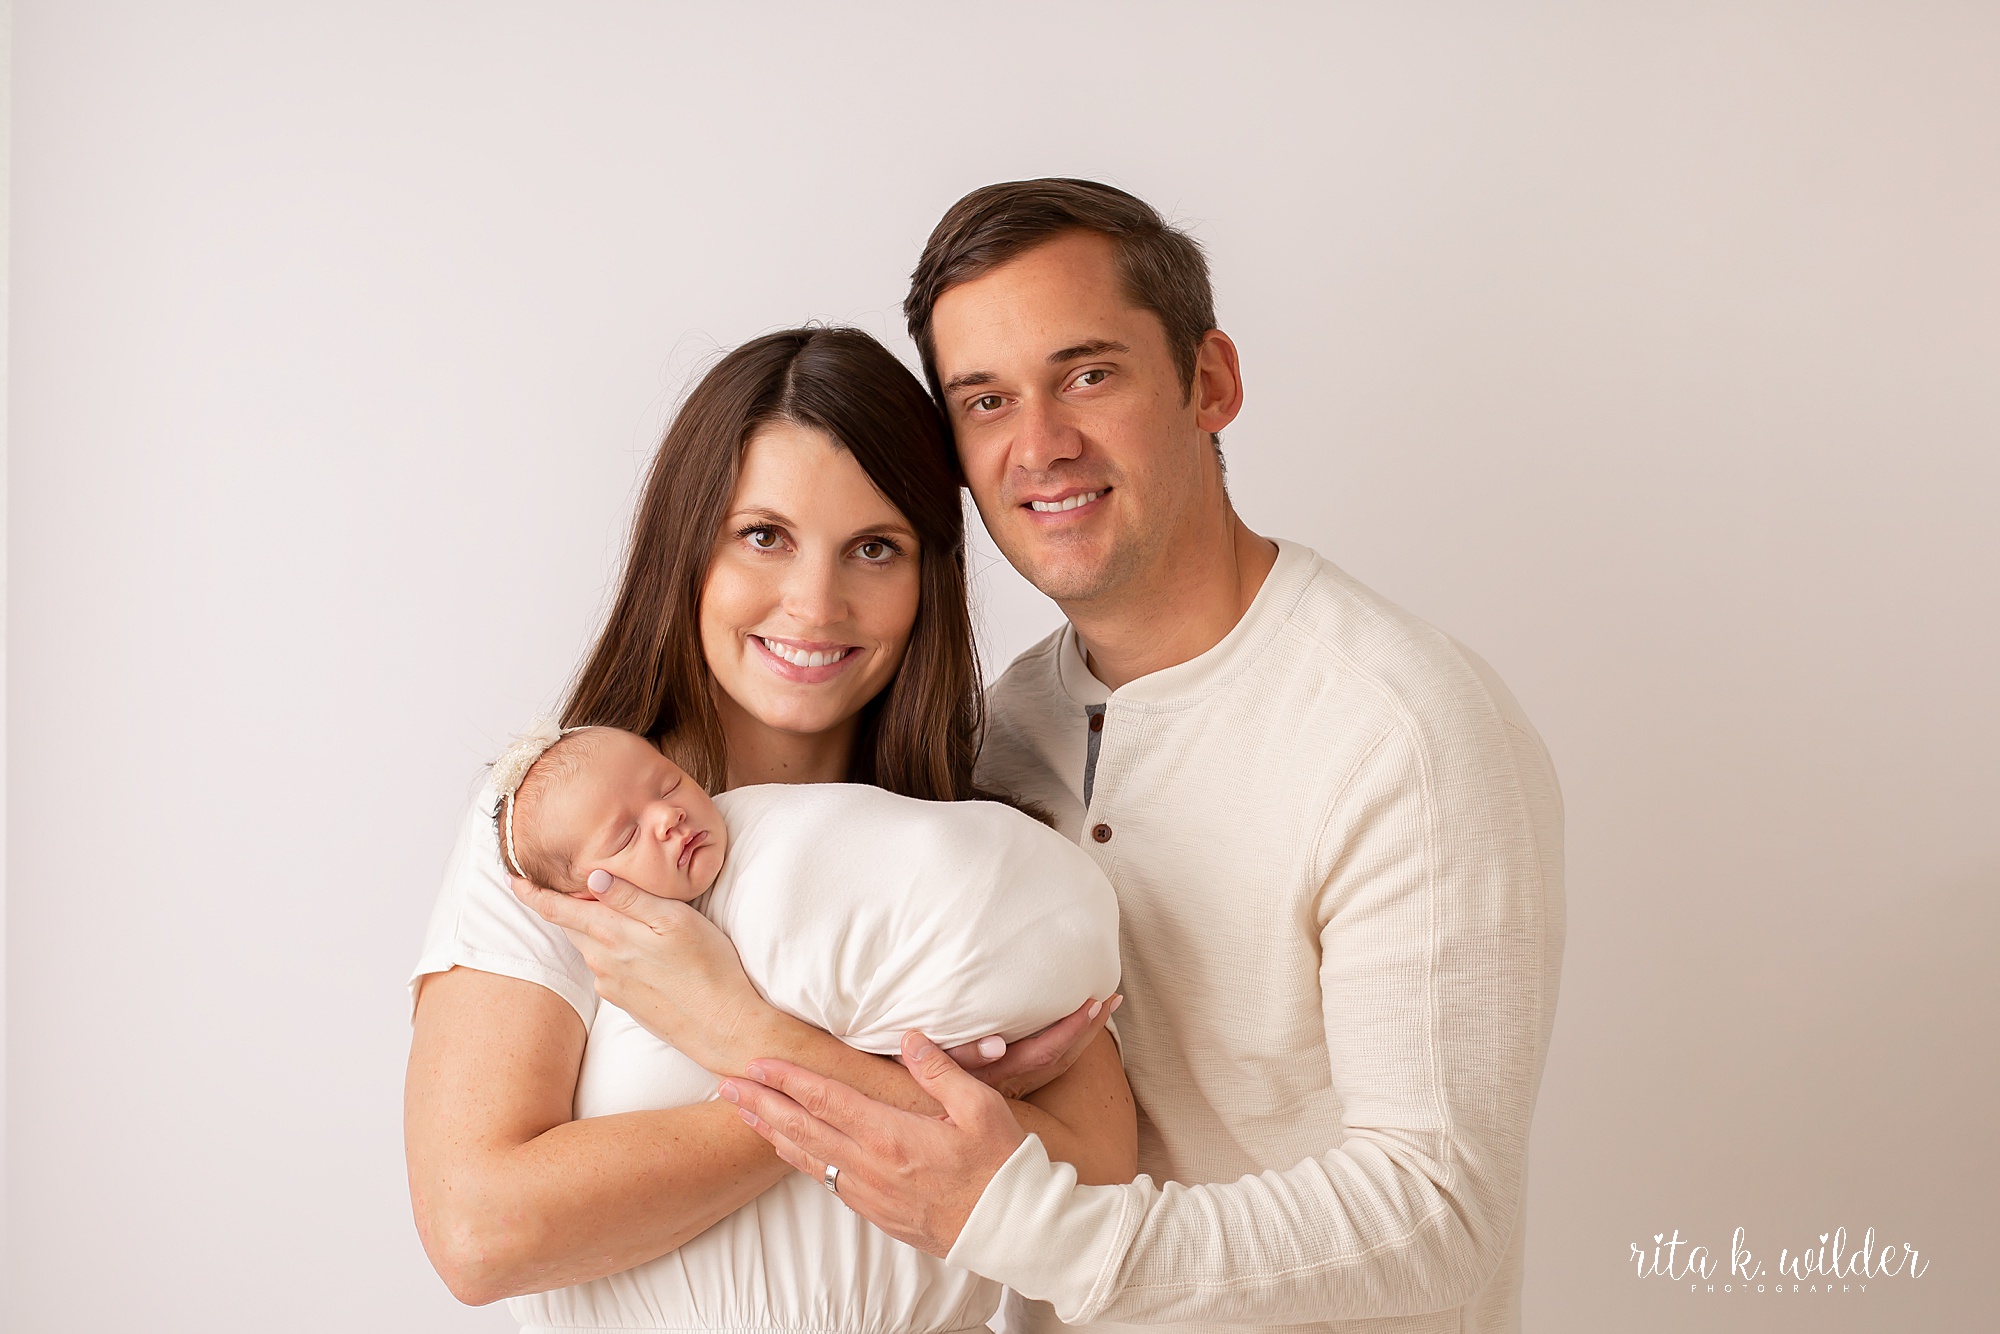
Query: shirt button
(1102,833)
(1097,722)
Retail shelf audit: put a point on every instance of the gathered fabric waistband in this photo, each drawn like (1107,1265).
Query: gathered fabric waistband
(733,1329)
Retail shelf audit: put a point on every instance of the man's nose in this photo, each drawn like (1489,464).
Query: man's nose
(1044,436)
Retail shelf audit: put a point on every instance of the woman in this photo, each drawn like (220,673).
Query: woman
(793,609)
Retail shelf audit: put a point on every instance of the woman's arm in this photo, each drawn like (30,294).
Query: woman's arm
(1096,1122)
(1085,1116)
(674,972)
(511,1195)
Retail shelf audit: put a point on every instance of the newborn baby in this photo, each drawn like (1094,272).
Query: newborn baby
(852,908)
(582,806)
(856,910)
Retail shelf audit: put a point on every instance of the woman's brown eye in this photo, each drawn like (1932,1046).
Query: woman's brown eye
(762,538)
(875,551)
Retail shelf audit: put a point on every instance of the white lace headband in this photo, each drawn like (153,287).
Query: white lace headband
(513,766)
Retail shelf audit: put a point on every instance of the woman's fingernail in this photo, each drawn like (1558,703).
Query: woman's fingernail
(1095,1006)
(749,1118)
(599,880)
(1116,1001)
(727,1092)
(992,1048)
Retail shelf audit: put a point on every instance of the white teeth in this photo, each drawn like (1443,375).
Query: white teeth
(799,657)
(1058,506)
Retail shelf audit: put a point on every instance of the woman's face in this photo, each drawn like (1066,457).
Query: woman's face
(812,588)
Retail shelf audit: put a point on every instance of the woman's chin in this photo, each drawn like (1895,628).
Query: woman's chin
(797,713)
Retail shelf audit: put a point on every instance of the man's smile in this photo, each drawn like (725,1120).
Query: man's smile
(1064,504)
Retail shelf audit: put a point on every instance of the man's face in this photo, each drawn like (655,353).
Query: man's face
(1083,452)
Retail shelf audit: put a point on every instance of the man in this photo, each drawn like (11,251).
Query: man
(1336,843)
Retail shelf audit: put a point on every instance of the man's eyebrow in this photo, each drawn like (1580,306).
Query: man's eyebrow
(967,380)
(1095,347)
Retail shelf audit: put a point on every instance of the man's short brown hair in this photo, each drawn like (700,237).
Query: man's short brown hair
(1161,266)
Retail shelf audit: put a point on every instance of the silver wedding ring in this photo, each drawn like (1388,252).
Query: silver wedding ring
(832,1178)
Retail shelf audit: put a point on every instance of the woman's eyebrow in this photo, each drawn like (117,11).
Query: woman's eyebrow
(892,529)
(761,513)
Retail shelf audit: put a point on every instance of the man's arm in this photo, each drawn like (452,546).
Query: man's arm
(1440,934)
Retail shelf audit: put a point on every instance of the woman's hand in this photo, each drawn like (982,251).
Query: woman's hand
(664,964)
(1040,1058)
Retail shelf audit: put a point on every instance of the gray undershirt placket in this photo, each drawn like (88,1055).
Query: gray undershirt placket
(1093,741)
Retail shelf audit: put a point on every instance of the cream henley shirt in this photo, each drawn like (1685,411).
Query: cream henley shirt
(1337,847)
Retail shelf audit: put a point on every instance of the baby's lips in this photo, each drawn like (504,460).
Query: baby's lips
(689,846)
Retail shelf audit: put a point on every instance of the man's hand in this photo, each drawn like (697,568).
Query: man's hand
(663,963)
(1040,1058)
(915,1177)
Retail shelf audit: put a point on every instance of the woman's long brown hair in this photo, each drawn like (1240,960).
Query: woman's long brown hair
(646,674)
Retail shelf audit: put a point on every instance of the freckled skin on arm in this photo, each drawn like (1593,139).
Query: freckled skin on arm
(1097,1129)
(512,1196)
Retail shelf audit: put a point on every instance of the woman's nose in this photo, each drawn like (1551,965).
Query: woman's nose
(812,592)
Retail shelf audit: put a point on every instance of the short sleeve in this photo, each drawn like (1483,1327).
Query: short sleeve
(478,923)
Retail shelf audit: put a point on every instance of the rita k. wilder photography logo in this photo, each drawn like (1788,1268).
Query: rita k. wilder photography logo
(1835,1265)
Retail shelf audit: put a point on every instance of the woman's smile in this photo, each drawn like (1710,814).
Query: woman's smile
(806,662)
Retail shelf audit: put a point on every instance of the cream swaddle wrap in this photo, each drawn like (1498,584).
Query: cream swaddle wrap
(866,914)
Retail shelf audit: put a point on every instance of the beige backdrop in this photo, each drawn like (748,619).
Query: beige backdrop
(1651,351)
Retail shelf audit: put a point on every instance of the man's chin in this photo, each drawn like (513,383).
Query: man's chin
(1070,579)
(1066,566)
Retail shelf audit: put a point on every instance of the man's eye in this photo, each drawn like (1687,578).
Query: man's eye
(1090,377)
(986,403)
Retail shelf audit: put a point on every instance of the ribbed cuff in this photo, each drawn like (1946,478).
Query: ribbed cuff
(1043,1235)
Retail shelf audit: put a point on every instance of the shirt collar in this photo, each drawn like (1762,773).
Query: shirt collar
(1204,671)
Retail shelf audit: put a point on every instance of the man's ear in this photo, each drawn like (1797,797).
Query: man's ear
(1218,382)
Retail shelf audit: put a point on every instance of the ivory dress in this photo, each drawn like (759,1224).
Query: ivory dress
(857,911)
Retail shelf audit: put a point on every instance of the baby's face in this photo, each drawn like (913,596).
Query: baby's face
(633,812)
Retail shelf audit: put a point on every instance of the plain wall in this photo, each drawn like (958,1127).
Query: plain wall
(1654,353)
